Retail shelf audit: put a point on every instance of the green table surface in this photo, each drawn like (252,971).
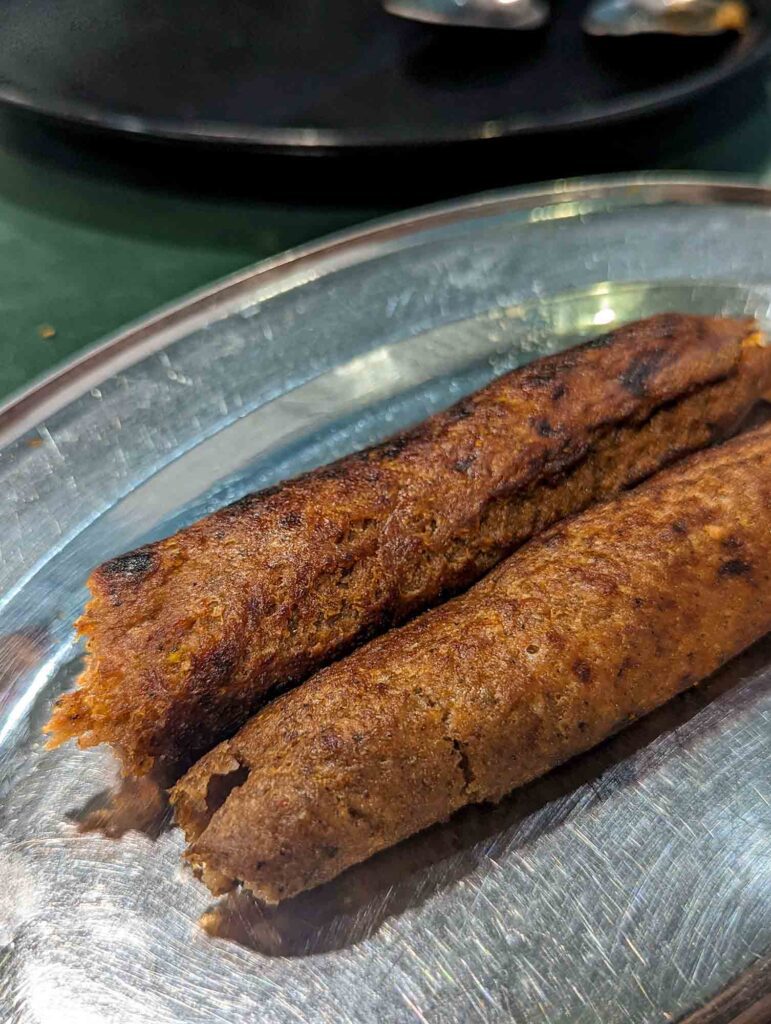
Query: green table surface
(96,232)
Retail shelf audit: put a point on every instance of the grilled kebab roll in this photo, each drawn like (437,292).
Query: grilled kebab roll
(591,625)
(186,636)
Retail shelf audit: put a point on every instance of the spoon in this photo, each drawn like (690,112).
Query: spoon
(507,14)
(673,17)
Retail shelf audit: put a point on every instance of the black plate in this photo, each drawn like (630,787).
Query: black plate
(323,74)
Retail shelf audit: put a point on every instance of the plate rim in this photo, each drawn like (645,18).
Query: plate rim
(315,141)
(68,381)
(742,993)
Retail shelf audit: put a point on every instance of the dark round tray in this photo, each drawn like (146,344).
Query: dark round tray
(329,74)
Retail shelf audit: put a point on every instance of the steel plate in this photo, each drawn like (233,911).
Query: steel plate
(631,885)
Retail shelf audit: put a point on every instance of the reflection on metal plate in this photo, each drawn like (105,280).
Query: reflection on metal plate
(631,885)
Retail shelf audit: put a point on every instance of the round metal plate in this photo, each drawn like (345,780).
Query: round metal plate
(630,885)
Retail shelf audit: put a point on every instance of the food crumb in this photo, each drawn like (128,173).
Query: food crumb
(46,331)
(731,16)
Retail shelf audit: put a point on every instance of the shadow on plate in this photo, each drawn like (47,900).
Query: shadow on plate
(135,805)
(642,61)
(19,652)
(355,905)
(478,57)
(481,57)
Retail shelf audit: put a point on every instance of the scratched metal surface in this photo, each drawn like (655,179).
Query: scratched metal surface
(629,886)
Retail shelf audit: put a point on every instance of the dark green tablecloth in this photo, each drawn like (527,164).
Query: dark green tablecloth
(95,233)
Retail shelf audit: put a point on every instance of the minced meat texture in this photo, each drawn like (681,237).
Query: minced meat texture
(592,624)
(186,637)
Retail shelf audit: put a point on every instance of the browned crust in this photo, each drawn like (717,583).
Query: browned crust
(186,636)
(592,624)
